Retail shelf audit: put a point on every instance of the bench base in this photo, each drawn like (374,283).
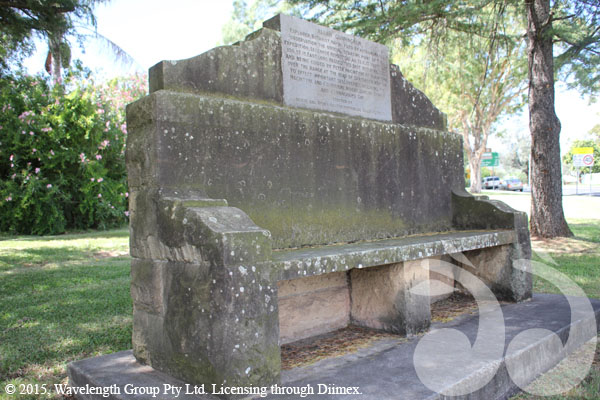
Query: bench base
(382,371)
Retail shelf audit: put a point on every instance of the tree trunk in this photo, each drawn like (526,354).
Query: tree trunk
(475,166)
(547,217)
(56,71)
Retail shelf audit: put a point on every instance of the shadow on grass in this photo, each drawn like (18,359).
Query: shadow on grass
(50,316)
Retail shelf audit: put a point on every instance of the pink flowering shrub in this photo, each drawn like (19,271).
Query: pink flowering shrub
(68,170)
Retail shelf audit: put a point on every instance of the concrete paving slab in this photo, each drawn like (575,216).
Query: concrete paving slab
(389,369)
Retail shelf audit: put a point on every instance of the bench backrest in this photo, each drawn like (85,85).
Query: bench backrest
(217,126)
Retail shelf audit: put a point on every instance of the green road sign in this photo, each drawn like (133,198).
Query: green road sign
(490,159)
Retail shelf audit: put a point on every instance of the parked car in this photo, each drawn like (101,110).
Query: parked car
(512,184)
(491,182)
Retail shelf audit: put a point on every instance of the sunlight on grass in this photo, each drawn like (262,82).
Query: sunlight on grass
(62,298)
(29,251)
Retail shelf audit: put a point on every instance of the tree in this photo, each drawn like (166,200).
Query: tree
(246,18)
(473,79)
(575,28)
(516,159)
(54,20)
(547,218)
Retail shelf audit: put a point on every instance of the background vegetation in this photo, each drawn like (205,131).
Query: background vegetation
(62,162)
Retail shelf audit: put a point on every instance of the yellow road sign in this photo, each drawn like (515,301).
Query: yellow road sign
(583,150)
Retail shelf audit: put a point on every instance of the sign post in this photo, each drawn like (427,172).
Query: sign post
(583,157)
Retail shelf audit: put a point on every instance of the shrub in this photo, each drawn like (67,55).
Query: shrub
(62,155)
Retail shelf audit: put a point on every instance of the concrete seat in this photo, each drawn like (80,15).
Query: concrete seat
(256,222)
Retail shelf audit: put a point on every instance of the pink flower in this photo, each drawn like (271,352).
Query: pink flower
(13,176)
(9,198)
(49,185)
(11,157)
(12,165)
(98,157)
(126,213)
(82,157)
(33,150)
(51,152)
(100,180)
(37,170)
(46,129)
(99,195)
(92,179)
(126,194)
(31,133)
(124,128)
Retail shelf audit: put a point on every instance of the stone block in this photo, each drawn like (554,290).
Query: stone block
(313,306)
(382,297)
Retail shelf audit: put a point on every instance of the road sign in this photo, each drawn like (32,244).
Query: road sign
(583,150)
(490,159)
(583,156)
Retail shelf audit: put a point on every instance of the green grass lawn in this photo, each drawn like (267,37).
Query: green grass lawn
(64,298)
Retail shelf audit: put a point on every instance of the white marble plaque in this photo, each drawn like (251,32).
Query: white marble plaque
(328,70)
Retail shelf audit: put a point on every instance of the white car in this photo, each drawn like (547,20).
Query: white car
(491,182)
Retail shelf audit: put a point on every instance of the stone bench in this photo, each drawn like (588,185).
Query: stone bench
(256,221)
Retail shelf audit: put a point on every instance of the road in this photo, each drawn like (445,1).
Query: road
(575,207)
(570,190)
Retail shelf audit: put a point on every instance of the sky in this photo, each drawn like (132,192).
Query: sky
(149,31)
(154,30)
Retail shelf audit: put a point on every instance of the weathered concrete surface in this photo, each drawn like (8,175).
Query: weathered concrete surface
(439,283)
(183,316)
(197,271)
(508,283)
(387,371)
(119,370)
(309,178)
(312,306)
(382,297)
(290,264)
(384,370)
